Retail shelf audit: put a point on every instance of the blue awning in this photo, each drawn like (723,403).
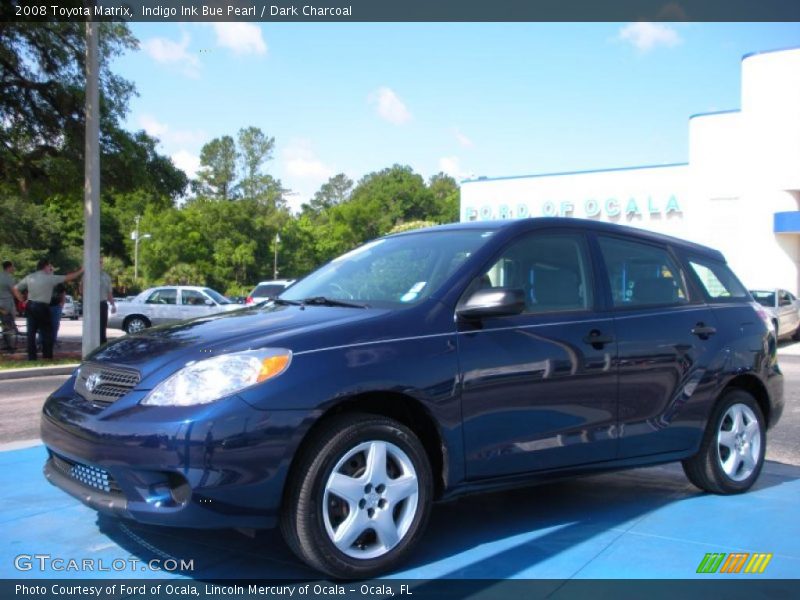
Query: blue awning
(787,222)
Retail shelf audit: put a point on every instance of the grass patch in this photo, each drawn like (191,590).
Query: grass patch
(30,364)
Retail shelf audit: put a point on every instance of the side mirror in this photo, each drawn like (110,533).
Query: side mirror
(209,303)
(492,302)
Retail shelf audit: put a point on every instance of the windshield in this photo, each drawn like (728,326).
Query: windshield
(391,272)
(268,290)
(217,297)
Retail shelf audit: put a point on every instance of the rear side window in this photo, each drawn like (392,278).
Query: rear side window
(641,274)
(551,269)
(166,296)
(718,280)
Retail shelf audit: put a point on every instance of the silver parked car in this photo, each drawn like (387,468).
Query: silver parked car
(268,290)
(168,304)
(69,310)
(782,307)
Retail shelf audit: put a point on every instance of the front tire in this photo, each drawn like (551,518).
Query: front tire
(359,497)
(732,452)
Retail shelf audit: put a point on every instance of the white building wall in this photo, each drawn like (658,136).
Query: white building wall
(744,166)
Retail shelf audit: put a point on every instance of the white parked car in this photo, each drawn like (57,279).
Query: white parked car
(168,304)
(69,310)
(268,290)
(782,307)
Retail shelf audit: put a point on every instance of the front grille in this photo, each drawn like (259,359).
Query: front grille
(103,385)
(93,477)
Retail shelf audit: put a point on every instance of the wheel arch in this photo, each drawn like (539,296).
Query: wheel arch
(401,407)
(756,388)
(128,319)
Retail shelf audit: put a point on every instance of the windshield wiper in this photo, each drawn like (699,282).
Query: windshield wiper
(323,301)
(287,302)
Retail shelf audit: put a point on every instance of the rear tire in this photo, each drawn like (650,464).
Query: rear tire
(136,324)
(359,497)
(731,454)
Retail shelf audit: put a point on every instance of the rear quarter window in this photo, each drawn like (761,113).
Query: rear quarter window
(717,280)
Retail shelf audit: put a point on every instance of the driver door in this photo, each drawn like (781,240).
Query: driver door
(194,303)
(539,388)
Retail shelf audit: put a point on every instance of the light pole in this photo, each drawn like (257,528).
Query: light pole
(275,265)
(91,198)
(136,236)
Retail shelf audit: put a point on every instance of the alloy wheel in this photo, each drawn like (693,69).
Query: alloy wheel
(739,442)
(136,325)
(370,499)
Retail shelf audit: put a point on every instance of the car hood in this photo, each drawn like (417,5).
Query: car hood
(294,327)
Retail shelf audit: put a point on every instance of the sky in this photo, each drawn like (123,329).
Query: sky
(469,99)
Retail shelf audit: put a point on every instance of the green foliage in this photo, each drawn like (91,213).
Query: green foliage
(446,198)
(235,170)
(42,95)
(217,174)
(333,192)
(255,149)
(183,274)
(205,240)
(411,225)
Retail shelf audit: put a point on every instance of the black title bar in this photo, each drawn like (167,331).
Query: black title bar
(401,10)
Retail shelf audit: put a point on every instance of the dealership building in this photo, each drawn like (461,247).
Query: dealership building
(739,192)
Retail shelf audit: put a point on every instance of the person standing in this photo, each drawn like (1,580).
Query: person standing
(56,309)
(40,291)
(7,309)
(106,299)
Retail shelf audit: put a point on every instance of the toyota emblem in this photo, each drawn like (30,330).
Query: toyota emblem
(92,381)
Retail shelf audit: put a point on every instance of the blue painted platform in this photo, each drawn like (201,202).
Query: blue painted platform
(646,523)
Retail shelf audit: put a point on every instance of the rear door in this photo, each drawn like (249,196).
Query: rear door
(666,340)
(539,388)
(162,306)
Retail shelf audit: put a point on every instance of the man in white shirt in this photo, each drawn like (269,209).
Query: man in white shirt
(40,291)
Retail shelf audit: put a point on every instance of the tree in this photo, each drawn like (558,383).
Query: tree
(42,95)
(383,199)
(335,191)
(446,198)
(183,274)
(412,225)
(255,149)
(217,175)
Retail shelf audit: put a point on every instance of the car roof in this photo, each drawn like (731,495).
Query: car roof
(177,287)
(275,282)
(521,225)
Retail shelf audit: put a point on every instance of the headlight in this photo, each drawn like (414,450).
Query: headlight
(205,381)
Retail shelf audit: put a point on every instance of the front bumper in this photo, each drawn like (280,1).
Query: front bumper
(217,465)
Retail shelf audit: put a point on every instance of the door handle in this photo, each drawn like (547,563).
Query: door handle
(597,339)
(703,331)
